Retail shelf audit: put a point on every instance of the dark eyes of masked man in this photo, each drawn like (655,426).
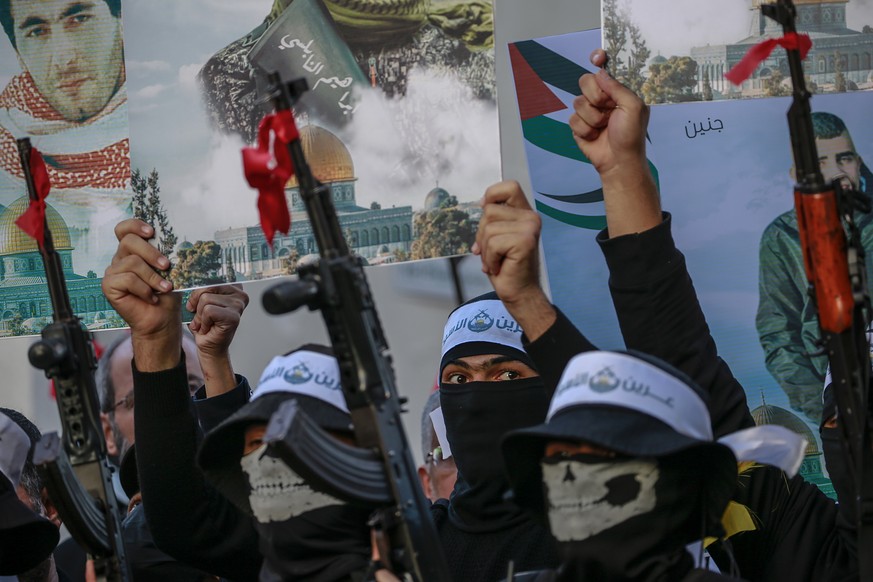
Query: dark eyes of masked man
(488,386)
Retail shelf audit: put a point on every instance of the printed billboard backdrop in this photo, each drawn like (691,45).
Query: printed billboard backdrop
(665,67)
(63,85)
(723,186)
(400,119)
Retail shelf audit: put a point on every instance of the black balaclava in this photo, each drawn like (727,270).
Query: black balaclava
(654,480)
(478,414)
(624,519)
(303,534)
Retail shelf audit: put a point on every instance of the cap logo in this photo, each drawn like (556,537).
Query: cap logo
(621,380)
(299,374)
(604,381)
(304,372)
(480,322)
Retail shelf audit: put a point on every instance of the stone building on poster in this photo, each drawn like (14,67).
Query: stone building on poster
(375,234)
(810,467)
(835,47)
(24,294)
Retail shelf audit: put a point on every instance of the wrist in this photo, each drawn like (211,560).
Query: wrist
(218,375)
(533,311)
(627,173)
(155,352)
(632,201)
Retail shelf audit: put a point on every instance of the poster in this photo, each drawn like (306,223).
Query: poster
(725,187)
(63,85)
(665,67)
(400,118)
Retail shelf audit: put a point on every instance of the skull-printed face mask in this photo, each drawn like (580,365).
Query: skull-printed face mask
(277,492)
(586,495)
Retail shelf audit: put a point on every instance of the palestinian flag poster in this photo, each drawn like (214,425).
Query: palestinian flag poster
(724,170)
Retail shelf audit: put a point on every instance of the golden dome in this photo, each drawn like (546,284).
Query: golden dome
(13,240)
(328,157)
(767,414)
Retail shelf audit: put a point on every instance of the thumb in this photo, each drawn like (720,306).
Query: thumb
(620,95)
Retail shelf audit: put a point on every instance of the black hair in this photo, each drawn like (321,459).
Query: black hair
(33,433)
(9,26)
(827,125)
(30,479)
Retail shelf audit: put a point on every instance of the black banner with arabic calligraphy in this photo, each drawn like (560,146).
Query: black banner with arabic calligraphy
(303,42)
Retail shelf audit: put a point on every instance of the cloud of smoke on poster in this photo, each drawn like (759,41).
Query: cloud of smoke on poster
(436,134)
(215,194)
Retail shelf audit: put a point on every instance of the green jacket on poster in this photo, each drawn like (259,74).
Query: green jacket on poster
(787,320)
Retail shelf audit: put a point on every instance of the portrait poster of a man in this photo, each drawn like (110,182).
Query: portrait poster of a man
(62,64)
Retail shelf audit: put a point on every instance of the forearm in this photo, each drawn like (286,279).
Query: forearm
(189,520)
(218,375)
(534,313)
(659,314)
(554,348)
(159,351)
(212,411)
(631,199)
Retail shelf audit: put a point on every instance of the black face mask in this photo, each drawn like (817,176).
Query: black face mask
(324,544)
(477,415)
(626,519)
(303,534)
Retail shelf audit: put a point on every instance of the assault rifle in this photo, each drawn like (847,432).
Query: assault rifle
(74,467)
(337,286)
(834,265)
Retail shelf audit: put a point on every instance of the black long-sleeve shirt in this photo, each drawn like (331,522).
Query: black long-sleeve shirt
(798,537)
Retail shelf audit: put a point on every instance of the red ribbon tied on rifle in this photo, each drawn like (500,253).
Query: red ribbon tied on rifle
(744,69)
(33,220)
(268,168)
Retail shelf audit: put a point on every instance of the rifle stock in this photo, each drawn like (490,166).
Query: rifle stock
(338,287)
(75,467)
(352,474)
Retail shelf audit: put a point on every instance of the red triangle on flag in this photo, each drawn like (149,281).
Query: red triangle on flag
(534,97)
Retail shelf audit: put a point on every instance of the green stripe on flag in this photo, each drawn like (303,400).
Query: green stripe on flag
(589,222)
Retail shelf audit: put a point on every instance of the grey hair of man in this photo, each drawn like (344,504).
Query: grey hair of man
(428,434)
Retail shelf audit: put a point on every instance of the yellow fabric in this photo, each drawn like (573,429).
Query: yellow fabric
(736,518)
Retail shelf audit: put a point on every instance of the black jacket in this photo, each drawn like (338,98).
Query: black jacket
(797,536)
(189,519)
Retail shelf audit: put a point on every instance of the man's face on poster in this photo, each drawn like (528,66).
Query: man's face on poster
(839,161)
(73,51)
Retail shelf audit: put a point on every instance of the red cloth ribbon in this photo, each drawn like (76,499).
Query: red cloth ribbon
(744,69)
(33,220)
(268,168)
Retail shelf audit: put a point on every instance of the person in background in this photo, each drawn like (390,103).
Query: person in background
(787,320)
(27,538)
(438,472)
